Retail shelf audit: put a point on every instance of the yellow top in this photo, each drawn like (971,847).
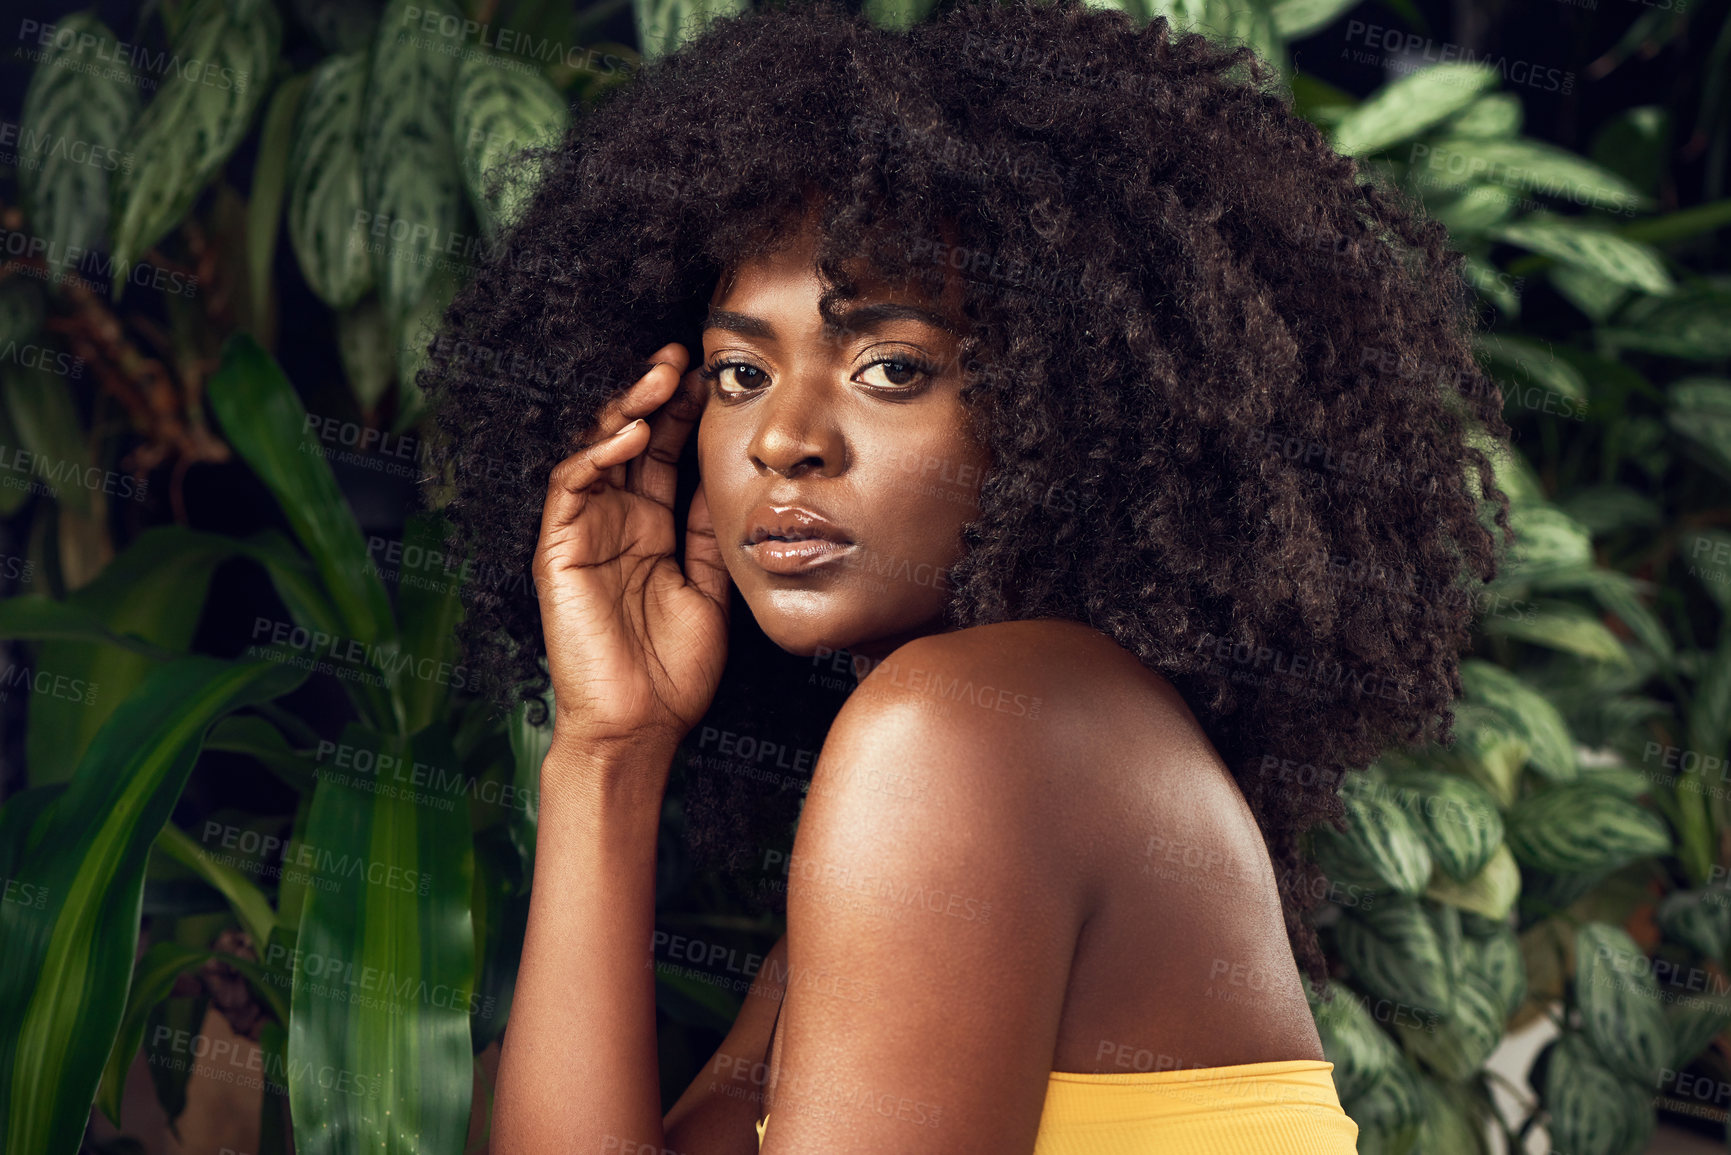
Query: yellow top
(1250,1109)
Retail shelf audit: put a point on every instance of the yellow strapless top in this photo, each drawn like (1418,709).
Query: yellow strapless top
(1287,1107)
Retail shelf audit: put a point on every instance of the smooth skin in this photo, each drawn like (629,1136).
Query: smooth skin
(1018,854)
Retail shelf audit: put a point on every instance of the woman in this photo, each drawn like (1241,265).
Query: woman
(1024,394)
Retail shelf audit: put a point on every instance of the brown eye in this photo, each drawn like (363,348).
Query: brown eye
(745,376)
(899,372)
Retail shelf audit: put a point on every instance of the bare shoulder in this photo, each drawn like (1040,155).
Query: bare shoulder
(1039,734)
(1045,686)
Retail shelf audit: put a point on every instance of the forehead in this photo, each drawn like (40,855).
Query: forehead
(790,271)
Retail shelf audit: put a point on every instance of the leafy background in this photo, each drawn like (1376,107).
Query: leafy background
(216,923)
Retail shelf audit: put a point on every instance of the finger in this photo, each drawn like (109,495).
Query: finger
(640,399)
(644,395)
(703,563)
(574,479)
(655,474)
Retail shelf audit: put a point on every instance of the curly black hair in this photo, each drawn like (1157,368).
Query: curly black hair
(1218,372)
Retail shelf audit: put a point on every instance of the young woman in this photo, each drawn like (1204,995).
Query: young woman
(1043,373)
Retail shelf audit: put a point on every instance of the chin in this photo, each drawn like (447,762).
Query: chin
(810,623)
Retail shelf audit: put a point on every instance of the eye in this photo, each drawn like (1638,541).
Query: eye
(747,375)
(901,374)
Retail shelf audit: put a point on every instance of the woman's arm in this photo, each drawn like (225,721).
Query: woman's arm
(578,1069)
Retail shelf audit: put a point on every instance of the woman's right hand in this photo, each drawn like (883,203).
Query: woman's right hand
(635,645)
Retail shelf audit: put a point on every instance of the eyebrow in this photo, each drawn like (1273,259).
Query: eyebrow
(863,317)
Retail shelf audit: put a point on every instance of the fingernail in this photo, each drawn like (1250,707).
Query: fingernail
(634,424)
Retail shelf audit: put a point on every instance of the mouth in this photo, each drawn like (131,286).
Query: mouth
(788,539)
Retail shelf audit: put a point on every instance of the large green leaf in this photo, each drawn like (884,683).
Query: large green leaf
(1611,257)
(428,583)
(498,112)
(327,205)
(1405,108)
(195,120)
(63,974)
(263,419)
(247,901)
(1527,712)
(155,591)
(264,205)
(1454,162)
(1700,413)
(663,25)
(410,175)
(384,961)
(81,102)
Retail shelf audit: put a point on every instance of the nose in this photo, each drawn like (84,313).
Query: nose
(796,431)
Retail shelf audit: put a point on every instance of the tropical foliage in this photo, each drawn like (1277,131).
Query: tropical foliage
(354,901)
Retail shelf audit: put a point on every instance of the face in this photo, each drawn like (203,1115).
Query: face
(839,467)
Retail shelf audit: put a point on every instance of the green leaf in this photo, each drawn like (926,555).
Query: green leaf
(1587,290)
(256,738)
(327,203)
(63,975)
(1695,1022)
(247,901)
(1563,626)
(1526,712)
(152,980)
(1596,250)
(1407,107)
(1496,114)
(1604,509)
(1700,413)
(384,962)
(1694,324)
(369,361)
(73,136)
(1524,164)
(1361,1051)
(663,25)
(264,205)
(1488,749)
(1395,951)
(429,605)
(1526,361)
(1491,893)
(194,121)
(1295,19)
(1592,1110)
(499,112)
(1621,1013)
(261,415)
(47,424)
(1576,829)
(409,170)
(154,591)
(896,13)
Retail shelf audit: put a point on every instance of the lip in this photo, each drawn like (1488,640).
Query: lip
(788,539)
